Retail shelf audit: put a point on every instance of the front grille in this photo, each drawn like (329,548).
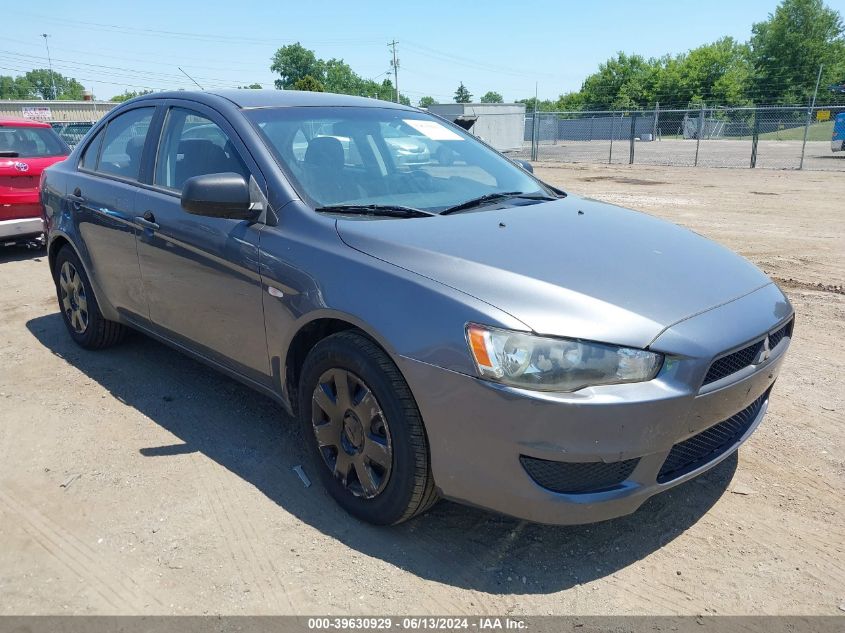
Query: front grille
(573,477)
(732,363)
(696,451)
(741,359)
(778,335)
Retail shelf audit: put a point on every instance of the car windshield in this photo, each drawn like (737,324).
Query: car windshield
(30,142)
(338,156)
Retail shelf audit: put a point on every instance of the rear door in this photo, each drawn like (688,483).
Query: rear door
(102,193)
(200,274)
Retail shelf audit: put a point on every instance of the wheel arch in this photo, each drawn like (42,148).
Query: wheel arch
(59,241)
(56,244)
(308,334)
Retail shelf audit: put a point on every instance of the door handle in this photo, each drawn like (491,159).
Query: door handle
(148,221)
(76,197)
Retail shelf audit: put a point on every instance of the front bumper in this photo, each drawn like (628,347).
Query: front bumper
(20,229)
(479,431)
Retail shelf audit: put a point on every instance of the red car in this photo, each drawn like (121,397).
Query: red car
(26,149)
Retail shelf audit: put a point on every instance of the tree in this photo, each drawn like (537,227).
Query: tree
(426,101)
(571,101)
(462,95)
(623,81)
(492,97)
(294,62)
(250,87)
(129,94)
(299,68)
(340,78)
(543,105)
(41,81)
(38,84)
(788,48)
(309,83)
(713,73)
(15,88)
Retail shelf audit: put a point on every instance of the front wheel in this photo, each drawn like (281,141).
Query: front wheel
(365,432)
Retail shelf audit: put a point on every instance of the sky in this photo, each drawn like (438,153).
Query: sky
(508,47)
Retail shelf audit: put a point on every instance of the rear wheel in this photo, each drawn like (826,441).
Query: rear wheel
(365,431)
(78,305)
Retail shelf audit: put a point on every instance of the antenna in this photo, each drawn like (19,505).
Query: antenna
(191,78)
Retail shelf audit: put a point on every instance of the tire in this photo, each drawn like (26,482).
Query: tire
(397,483)
(80,311)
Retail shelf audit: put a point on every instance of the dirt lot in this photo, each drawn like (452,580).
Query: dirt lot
(137,481)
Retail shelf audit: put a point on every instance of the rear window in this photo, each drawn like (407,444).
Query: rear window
(30,142)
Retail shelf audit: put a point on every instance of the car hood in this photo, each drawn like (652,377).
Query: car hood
(572,267)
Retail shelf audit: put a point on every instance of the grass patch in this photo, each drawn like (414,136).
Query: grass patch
(822,131)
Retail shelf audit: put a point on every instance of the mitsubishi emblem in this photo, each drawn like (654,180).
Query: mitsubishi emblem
(765,352)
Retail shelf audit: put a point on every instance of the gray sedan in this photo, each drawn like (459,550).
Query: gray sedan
(453,329)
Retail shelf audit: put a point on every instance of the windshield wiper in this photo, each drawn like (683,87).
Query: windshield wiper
(9,154)
(386,210)
(492,197)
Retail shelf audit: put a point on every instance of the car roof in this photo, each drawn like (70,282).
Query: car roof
(249,98)
(21,122)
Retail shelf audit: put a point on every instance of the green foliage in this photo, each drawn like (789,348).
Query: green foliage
(295,63)
(492,97)
(250,87)
(41,80)
(38,84)
(787,49)
(309,83)
(15,88)
(716,73)
(129,94)
(779,65)
(462,95)
(426,101)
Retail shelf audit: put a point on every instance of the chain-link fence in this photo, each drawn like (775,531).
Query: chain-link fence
(72,133)
(794,137)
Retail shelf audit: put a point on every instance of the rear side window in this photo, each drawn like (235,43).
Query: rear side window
(89,159)
(30,142)
(193,145)
(123,143)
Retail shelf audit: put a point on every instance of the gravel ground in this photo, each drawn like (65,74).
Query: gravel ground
(135,480)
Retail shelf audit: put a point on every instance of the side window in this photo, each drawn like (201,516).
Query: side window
(89,158)
(123,143)
(193,145)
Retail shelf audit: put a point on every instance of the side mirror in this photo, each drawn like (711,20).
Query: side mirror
(223,195)
(524,164)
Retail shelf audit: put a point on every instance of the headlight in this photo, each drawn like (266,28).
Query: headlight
(554,364)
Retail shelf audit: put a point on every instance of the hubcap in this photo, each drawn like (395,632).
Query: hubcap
(352,433)
(74,298)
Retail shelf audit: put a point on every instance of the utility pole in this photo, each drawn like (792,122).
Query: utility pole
(395,64)
(50,64)
(810,116)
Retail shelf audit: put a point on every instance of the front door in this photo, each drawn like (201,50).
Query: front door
(200,274)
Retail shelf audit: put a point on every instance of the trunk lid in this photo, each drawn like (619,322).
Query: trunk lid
(19,179)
